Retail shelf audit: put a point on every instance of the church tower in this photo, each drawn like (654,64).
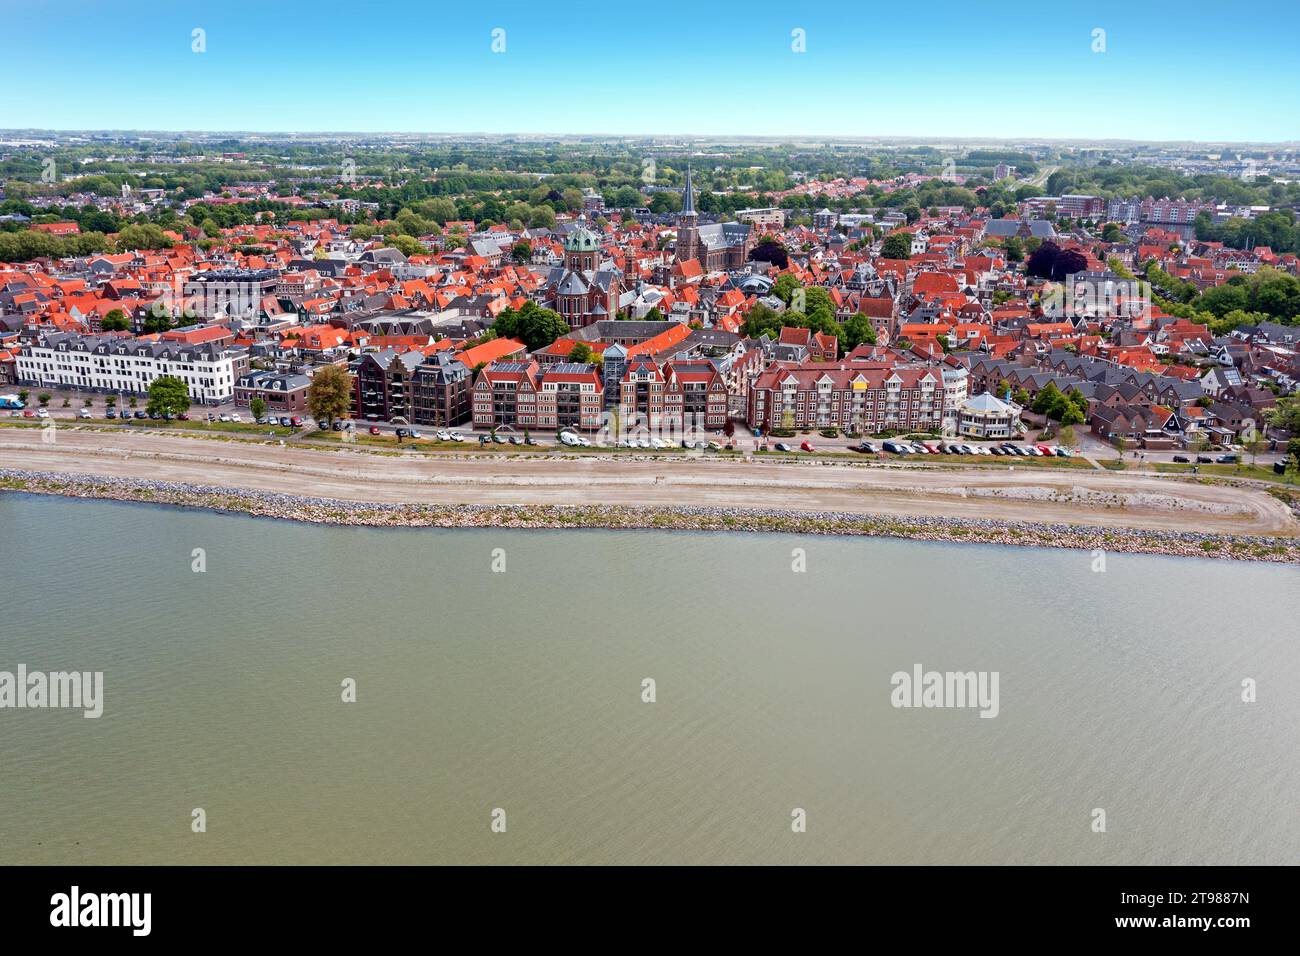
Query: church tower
(581,249)
(688,227)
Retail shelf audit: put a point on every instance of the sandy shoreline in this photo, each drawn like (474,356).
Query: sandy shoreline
(1081,508)
(919,527)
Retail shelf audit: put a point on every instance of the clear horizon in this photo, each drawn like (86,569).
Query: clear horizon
(887,138)
(1015,72)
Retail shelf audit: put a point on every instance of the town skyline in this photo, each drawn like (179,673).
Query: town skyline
(609,136)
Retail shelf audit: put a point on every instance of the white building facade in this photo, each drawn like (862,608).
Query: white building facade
(112,365)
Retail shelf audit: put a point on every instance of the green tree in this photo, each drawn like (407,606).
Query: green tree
(329,396)
(533,325)
(142,236)
(168,395)
(257,407)
(897,245)
(1286,415)
(857,330)
(115,321)
(581,353)
(43,398)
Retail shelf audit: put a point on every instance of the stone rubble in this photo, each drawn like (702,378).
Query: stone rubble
(918,527)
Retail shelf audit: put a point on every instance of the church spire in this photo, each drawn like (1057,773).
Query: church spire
(688,195)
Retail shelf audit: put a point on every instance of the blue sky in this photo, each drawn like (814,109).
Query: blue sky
(936,68)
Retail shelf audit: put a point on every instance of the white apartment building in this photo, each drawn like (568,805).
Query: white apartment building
(121,364)
(955,390)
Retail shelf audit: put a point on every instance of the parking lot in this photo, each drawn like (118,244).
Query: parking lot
(1086,445)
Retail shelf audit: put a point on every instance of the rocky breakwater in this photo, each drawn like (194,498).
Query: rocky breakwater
(919,527)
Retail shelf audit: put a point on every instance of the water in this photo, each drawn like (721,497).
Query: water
(522,691)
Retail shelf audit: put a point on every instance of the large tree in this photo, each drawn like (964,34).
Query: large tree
(857,330)
(329,396)
(533,325)
(168,395)
(897,245)
(115,321)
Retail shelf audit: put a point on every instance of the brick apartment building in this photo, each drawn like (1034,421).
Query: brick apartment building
(847,395)
(519,395)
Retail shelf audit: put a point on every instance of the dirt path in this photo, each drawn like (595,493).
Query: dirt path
(1090,498)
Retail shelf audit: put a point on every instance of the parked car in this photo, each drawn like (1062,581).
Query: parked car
(1227,459)
(140,415)
(529,440)
(516,440)
(995,450)
(183,417)
(323,425)
(416,434)
(403,433)
(457,436)
(338,426)
(444,435)
(84,413)
(262,420)
(782,446)
(110,414)
(1182,459)
(296,422)
(807,446)
(374,429)
(498,439)
(1204,460)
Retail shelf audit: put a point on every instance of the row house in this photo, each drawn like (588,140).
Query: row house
(694,394)
(442,388)
(848,395)
(496,395)
(383,386)
(1151,427)
(521,395)
(281,392)
(570,395)
(122,364)
(641,394)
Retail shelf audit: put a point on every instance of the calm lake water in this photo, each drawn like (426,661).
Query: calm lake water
(522,691)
